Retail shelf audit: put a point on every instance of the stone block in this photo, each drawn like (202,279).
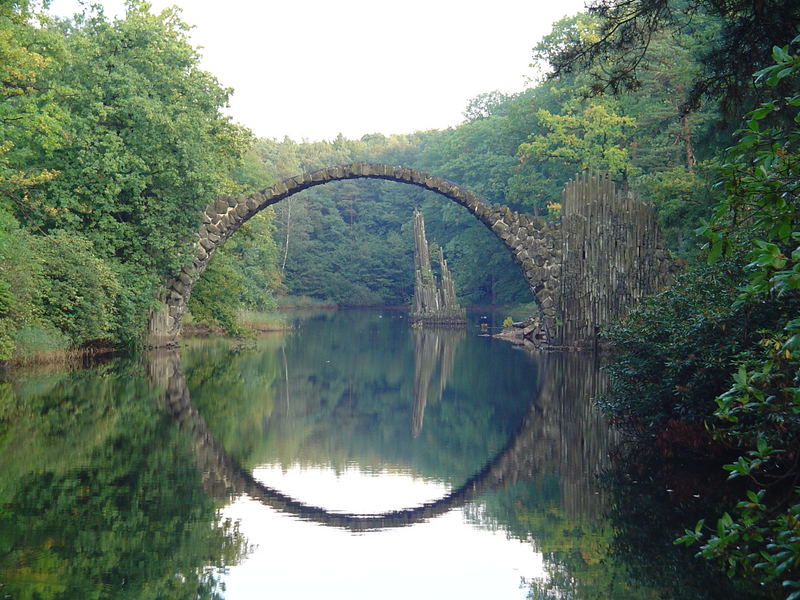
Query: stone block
(500,227)
(179,287)
(220,206)
(242,210)
(279,189)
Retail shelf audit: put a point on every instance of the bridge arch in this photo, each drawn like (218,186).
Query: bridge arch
(533,243)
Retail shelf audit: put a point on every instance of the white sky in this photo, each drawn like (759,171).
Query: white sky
(311,69)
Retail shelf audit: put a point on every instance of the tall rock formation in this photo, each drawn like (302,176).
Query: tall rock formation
(435,303)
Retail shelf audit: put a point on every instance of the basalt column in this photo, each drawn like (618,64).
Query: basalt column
(611,258)
(435,302)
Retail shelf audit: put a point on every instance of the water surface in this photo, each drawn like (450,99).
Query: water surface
(354,458)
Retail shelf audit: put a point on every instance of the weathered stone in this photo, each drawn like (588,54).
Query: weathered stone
(179,287)
(242,210)
(499,225)
(220,206)
(207,244)
(279,189)
(185,278)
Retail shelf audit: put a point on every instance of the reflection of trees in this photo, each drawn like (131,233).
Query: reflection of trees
(653,499)
(434,349)
(103,499)
(353,403)
(605,526)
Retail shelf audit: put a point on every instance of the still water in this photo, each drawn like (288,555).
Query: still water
(353,458)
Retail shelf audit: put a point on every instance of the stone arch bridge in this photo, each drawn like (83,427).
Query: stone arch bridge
(583,271)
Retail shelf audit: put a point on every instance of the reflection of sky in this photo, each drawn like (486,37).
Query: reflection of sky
(444,558)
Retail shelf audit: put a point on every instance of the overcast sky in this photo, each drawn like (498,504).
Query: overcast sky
(311,69)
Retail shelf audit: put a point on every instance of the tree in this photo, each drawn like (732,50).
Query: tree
(759,412)
(144,148)
(738,42)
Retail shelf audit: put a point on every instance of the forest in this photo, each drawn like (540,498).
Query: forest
(113,139)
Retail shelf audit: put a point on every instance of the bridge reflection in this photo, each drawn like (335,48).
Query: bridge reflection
(560,434)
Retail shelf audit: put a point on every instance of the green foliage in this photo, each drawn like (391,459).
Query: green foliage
(681,197)
(760,411)
(217,295)
(100,496)
(111,142)
(675,352)
(590,137)
(734,39)
(78,290)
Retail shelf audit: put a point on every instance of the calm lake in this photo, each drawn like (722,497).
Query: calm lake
(353,458)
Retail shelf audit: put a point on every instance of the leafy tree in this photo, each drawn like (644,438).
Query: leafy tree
(29,116)
(144,147)
(759,411)
(739,42)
